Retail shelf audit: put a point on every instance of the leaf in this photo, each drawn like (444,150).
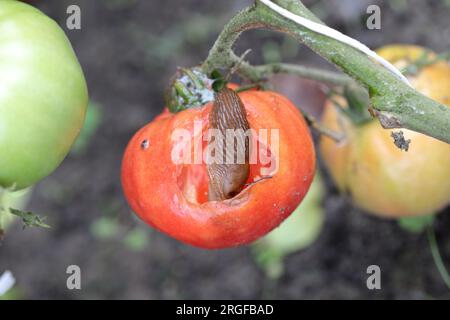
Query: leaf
(12,199)
(416,224)
(29,219)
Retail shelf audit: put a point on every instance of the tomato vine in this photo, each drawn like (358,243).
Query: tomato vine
(394,102)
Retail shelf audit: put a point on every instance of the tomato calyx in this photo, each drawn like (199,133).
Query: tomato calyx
(190,87)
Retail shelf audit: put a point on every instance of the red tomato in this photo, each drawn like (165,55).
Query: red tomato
(174,197)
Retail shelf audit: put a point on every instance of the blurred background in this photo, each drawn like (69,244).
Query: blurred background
(129,49)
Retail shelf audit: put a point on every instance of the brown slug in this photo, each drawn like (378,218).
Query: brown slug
(228,113)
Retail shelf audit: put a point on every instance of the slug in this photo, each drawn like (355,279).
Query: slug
(228,112)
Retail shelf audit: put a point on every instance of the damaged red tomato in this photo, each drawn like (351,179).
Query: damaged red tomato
(170,182)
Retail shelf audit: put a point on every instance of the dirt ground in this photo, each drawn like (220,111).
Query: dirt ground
(129,49)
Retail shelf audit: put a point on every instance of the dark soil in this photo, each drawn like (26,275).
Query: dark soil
(129,50)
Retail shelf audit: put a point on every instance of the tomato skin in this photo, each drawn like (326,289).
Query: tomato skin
(151,181)
(43,95)
(379,177)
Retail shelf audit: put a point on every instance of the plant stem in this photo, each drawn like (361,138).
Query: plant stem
(437,256)
(396,104)
(264,71)
(221,55)
(323,130)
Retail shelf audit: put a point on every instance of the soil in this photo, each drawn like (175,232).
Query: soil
(129,50)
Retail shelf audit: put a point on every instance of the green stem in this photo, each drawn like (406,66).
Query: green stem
(437,256)
(221,55)
(264,71)
(323,130)
(395,103)
(247,87)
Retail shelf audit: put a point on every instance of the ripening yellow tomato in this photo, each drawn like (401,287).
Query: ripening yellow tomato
(379,177)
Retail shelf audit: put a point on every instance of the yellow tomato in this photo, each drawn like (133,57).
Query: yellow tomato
(379,177)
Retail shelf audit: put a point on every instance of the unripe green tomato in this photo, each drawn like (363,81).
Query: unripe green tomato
(378,176)
(43,95)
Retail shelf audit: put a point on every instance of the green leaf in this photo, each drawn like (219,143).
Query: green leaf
(29,219)
(416,224)
(12,199)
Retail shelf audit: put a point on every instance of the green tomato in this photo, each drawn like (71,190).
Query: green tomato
(43,95)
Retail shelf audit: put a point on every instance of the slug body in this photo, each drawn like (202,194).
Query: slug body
(228,117)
